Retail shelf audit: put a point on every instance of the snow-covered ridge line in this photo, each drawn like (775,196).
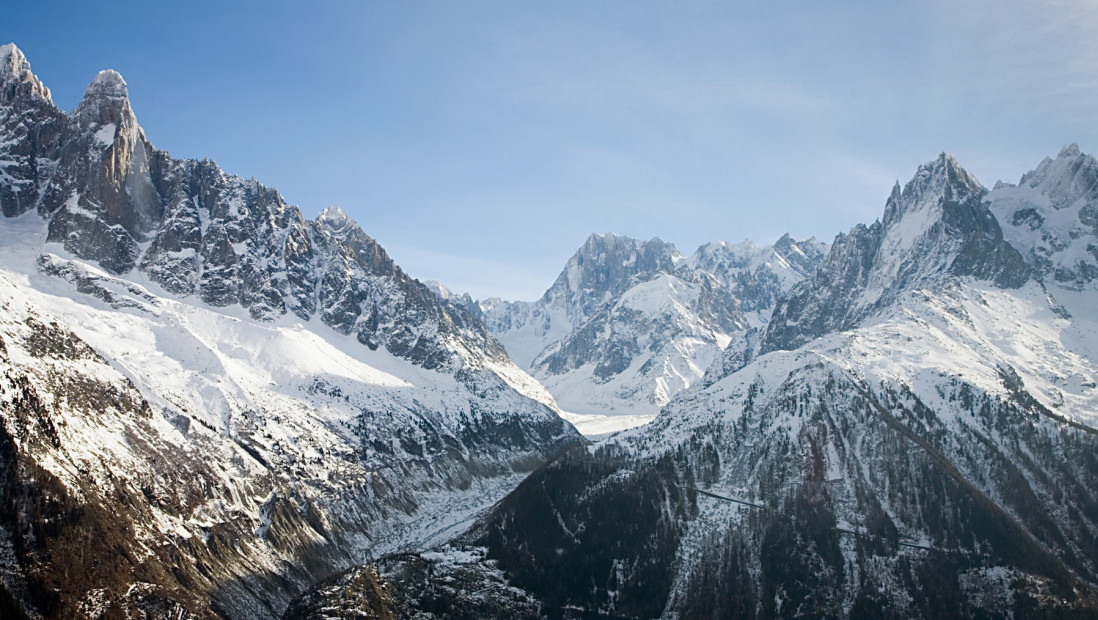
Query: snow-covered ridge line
(272,398)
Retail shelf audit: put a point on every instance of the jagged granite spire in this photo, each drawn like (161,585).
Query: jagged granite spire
(937,226)
(102,199)
(106,100)
(16,78)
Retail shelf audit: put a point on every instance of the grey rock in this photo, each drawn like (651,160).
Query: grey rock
(32,127)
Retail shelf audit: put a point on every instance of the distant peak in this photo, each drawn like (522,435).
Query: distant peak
(608,240)
(612,243)
(1070,177)
(1070,151)
(333,214)
(438,288)
(711,246)
(784,244)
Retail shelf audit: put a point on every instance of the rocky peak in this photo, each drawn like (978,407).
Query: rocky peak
(940,224)
(587,269)
(1051,217)
(717,255)
(803,256)
(16,76)
(102,197)
(643,255)
(356,244)
(937,227)
(106,101)
(30,126)
(784,244)
(605,266)
(1072,176)
(12,60)
(935,185)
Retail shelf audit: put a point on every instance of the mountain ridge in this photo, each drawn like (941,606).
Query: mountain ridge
(234,401)
(927,455)
(208,403)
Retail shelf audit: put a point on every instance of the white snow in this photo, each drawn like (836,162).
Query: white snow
(598,426)
(105,135)
(662,316)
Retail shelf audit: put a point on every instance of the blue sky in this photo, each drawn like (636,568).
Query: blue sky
(482,142)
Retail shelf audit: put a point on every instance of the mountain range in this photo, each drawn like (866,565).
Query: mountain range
(911,435)
(628,324)
(211,406)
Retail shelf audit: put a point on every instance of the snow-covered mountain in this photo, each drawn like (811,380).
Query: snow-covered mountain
(1051,216)
(912,435)
(630,323)
(208,402)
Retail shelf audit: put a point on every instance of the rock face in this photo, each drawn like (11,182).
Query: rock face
(912,435)
(629,323)
(213,397)
(32,128)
